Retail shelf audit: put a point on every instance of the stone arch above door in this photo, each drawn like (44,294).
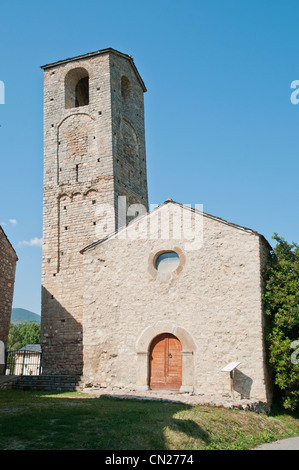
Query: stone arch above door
(143,347)
(147,335)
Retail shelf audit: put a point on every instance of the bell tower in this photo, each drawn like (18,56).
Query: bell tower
(94,152)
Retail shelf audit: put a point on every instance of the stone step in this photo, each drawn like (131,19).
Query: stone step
(48,382)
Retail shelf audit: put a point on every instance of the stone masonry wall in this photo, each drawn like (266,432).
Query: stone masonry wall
(128,136)
(213,302)
(81,170)
(8,259)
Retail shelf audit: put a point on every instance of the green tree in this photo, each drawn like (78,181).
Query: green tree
(281,302)
(23,334)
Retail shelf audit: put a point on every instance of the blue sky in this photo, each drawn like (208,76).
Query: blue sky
(220,126)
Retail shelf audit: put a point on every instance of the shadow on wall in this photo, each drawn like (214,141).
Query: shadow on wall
(242,383)
(61,339)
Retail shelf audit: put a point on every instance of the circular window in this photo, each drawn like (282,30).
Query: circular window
(167,262)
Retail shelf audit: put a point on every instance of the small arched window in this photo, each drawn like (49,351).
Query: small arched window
(125,88)
(76,88)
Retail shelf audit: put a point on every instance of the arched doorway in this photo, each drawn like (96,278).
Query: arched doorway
(165,363)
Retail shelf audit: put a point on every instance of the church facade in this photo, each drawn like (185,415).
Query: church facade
(132,299)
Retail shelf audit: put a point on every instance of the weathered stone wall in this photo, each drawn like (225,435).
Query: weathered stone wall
(8,259)
(212,304)
(84,165)
(128,135)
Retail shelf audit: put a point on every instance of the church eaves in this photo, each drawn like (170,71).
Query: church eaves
(170,201)
(100,52)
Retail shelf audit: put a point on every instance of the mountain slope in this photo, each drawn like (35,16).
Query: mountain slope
(21,315)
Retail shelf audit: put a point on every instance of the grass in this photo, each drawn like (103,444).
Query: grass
(74,421)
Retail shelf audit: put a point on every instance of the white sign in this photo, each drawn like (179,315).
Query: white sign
(231,366)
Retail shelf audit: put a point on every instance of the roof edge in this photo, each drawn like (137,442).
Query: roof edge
(170,201)
(1,228)
(93,54)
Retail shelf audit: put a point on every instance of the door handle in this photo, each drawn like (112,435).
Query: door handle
(170,355)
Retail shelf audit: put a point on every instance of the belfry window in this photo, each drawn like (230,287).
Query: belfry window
(76,88)
(82,92)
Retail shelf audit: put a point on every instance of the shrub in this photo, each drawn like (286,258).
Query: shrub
(281,302)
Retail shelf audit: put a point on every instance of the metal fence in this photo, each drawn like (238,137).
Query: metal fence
(23,362)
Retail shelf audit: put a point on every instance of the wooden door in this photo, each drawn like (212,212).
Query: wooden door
(165,363)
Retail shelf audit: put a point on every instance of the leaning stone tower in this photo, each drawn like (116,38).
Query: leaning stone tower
(94,152)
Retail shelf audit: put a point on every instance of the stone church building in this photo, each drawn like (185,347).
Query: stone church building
(8,261)
(134,299)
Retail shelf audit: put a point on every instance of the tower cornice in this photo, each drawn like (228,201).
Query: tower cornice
(109,50)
